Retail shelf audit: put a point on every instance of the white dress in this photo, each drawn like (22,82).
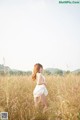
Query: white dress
(40,89)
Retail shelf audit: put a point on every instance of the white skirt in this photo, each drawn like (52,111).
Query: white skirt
(39,90)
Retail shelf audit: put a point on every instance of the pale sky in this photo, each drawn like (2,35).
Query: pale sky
(43,31)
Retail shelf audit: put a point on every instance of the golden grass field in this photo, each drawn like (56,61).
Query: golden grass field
(16,97)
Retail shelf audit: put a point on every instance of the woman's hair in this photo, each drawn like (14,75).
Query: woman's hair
(36,69)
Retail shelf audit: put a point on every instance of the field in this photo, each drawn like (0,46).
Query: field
(63,99)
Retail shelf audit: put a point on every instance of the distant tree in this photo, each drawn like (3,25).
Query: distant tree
(59,72)
(67,72)
(47,72)
(28,72)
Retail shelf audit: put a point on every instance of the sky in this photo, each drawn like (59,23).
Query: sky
(39,31)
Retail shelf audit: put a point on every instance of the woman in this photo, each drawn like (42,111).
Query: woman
(40,92)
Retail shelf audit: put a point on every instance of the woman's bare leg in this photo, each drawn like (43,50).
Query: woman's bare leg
(44,101)
(36,101)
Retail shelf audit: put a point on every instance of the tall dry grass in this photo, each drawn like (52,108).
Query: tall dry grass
(63,99)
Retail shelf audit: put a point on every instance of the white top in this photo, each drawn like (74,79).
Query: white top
(40,78)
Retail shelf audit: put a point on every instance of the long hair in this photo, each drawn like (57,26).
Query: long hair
(36,69)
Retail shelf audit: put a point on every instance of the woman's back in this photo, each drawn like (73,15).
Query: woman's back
(40,78)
